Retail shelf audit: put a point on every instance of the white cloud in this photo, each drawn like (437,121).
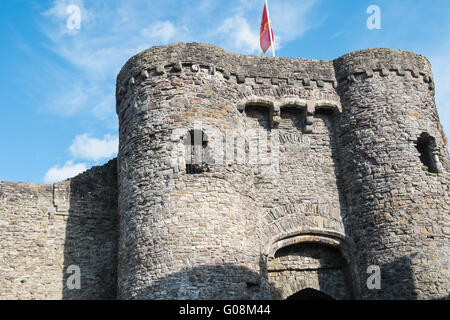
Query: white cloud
(110,34)
(85,147)
(113,31)
(163,32)
(239,35)
(68,170)
(290,20)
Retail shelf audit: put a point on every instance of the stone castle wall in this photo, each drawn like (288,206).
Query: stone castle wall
(47,228)
(398,209)
(338,184)
(347,176)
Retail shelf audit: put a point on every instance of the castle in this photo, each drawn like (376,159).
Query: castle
(248,177)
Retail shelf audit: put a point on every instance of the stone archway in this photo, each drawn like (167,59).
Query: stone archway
(315,263)
(310,294)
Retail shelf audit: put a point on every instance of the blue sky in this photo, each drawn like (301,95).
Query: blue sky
(57,107)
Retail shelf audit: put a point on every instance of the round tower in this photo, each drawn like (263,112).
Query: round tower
(394,161)
(360,181)
(188,228)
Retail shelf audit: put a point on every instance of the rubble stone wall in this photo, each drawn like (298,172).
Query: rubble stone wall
(309,173)
(45,229)
(339,158)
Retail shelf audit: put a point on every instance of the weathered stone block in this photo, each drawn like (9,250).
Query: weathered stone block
(240,78)
(160,70)
(177,67)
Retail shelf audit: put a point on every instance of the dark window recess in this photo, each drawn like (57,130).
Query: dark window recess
(260,114)
(426,145)
(197,152)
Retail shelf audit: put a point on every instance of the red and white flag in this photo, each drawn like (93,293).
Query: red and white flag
(266,36)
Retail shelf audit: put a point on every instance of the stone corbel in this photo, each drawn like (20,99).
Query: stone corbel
(195,68)
(276,116)
(160,70)
(178,67)
(309,119)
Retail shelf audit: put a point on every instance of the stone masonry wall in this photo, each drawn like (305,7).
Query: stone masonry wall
(46,228)
(176,224)
(181,232)
(399,210)
(347,135)
(311,172)
(310,265)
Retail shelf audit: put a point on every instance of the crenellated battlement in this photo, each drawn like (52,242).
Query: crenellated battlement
(266,71)
(336,144)
(249,177)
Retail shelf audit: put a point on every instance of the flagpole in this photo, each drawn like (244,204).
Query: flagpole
(270,30)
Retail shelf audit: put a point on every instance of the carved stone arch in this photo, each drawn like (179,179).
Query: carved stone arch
(315,259)
(326,111)
(328,105)
(328,237)
(292,108)
(291,102)
(264,102)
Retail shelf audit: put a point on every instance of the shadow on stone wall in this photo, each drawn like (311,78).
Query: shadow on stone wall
(209,282)
(330,120)
(350,271)
(92,233)
(397,281)
(261,114)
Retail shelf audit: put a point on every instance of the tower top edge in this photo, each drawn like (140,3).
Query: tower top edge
(202,53)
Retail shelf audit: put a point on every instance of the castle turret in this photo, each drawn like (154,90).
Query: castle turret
(393,156)
(189,227)
(248,177)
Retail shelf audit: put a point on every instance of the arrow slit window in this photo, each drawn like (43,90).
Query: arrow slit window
(426,145)
(196,152)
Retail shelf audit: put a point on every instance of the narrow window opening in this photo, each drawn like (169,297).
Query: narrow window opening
(197,152)
(426,145)
(260,114)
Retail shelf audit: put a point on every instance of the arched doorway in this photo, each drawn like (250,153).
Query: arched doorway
(309,264)
(309,294)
